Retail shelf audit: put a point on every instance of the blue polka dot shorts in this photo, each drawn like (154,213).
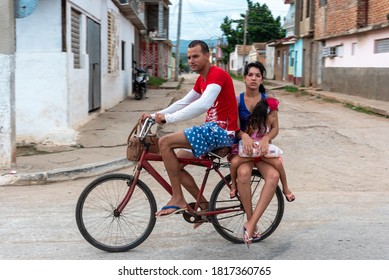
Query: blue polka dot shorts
(207,137)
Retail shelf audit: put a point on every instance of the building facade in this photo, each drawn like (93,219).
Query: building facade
(353,46)
(75,59)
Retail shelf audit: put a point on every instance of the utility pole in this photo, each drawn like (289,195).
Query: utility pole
(7,85)
(178,42)
(244,42)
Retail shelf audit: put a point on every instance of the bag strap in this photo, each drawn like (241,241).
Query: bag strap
(136,129)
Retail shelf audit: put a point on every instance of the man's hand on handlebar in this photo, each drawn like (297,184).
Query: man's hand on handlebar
(160,118)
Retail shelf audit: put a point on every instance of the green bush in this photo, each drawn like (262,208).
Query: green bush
(291,89)
(236,77)
(156,81)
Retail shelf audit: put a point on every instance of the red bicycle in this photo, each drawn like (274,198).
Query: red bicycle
(116,212)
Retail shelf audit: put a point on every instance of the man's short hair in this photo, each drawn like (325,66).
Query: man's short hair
(202,44)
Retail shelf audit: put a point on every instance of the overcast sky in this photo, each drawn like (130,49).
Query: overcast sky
(201,19)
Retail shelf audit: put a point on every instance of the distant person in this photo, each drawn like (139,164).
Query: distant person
(214,93)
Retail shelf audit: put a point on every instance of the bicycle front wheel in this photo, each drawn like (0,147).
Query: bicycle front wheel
(230,225)
(99,222)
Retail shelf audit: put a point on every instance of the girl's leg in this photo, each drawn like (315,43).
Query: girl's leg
(271,177)
(233,171)
(277,164)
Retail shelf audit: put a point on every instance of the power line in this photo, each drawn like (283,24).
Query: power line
(200,23)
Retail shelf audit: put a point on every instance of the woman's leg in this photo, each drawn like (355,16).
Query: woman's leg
(271,177)
(235,162)
(244,178)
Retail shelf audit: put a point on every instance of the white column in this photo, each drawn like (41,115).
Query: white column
(7,89)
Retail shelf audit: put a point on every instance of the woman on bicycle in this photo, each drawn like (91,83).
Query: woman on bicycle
(258,125)
(254,93)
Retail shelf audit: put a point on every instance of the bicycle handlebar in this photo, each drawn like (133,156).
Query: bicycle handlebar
(146,128)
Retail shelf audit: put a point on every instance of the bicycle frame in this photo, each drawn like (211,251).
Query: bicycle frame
(116,212)
(144,163)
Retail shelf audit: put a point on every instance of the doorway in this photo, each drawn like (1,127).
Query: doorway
(94,51)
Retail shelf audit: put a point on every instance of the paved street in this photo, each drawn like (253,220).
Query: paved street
(337,164)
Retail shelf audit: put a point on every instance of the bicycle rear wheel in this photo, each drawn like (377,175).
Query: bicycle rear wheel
(107,230)
(230,225)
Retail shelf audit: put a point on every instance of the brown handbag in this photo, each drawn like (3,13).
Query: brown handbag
(134,145)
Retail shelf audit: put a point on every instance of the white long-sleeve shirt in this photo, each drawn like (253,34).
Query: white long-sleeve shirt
(191,105)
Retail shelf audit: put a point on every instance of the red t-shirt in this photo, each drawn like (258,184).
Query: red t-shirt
(225,109)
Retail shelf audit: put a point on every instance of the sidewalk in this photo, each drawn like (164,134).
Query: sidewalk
(101,146)
(103,139)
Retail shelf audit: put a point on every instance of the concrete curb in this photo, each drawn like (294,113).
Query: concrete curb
(349,101)
(64,174)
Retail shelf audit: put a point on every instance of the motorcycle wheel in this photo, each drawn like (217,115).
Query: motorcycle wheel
(138,93)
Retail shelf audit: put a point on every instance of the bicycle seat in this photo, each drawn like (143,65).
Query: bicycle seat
(220,152)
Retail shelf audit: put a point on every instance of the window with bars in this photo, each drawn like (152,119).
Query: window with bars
(75,37)
(381,45)
(113,43)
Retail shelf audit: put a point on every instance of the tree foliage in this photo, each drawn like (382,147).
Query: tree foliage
(261,27)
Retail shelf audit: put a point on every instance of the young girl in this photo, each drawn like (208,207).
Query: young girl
(258,125)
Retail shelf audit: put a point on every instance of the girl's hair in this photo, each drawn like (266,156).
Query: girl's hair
(261,69)
(258,118)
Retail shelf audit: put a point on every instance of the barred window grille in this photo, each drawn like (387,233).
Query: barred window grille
(382,46)
(113,43)
(75,37)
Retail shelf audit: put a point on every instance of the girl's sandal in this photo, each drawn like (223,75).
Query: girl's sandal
(290,197)
(233,193)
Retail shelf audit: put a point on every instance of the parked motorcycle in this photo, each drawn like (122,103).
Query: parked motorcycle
(140,83)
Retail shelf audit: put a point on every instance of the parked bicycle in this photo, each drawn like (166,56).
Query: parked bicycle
(116,212)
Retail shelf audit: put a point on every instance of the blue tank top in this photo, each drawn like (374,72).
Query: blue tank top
(244,113)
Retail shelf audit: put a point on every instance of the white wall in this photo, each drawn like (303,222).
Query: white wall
(52,96)
(116,87)
(364,55)
(41,101)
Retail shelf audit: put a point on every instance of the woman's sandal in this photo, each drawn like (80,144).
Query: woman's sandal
(256,235)
(247,240)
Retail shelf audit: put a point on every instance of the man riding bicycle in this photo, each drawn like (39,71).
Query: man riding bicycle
(213,93)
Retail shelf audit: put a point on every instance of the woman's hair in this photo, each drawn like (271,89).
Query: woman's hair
(261,69)
(258,118)
(204,47)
